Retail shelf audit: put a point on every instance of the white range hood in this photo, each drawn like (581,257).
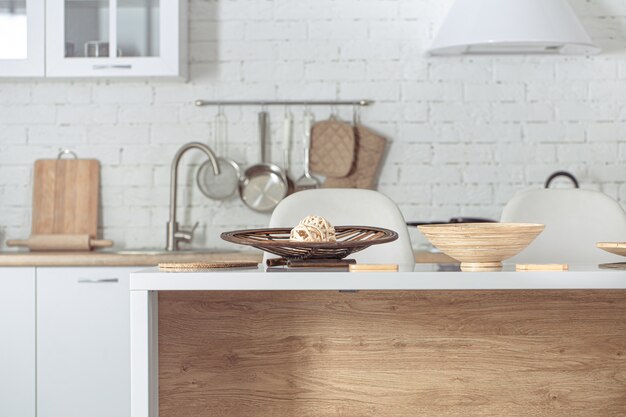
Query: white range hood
(512,27)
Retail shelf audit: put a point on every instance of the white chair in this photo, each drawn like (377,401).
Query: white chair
(575,221)
(350,207)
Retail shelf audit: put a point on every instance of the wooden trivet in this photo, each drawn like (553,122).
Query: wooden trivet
(195,266)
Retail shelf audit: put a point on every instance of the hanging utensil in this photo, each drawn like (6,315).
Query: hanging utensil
(287,137)
(225,184)
(306,181)
(263,184)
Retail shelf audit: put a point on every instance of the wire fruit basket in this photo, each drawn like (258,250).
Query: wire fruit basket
(350,239)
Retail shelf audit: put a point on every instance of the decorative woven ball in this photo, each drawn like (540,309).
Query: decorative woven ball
(313,229)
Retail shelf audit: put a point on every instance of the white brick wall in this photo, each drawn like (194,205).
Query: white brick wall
(467,133)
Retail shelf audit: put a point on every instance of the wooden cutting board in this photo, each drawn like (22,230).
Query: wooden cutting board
(66,196)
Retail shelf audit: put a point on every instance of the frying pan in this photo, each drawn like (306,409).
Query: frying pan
(264,184)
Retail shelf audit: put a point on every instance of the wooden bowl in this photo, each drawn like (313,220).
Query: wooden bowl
(616,248)
(481,246)
(350,239)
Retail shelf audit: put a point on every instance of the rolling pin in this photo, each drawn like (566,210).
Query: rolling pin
(61,243)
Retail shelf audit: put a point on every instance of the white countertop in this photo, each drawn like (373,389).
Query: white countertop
(418,277)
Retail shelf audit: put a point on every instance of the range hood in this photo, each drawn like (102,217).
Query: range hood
(512,27)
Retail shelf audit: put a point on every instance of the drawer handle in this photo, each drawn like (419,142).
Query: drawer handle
(114,66)
(98,281)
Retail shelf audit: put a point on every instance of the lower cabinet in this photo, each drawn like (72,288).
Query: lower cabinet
(17,342)
(83,342)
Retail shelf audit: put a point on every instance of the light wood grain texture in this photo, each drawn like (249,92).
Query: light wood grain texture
(481,246)
(488,353)
(427,257)
(65,196)
(372,267)
(119,259)
(61,242)
(617,248)
(541,267)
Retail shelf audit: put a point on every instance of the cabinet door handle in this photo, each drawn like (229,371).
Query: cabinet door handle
(98,281)
(112,66)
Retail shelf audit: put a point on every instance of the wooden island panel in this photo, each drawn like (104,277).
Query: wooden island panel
(392,353)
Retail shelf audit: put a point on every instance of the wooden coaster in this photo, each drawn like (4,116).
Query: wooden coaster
(374,268)
(541,267)
(195,266)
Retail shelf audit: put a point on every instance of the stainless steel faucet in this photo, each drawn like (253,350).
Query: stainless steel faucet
(174,234)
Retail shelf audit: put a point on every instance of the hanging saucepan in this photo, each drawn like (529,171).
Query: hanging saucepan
(264,184)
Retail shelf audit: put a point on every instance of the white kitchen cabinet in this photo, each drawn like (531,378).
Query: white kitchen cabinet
(83,342)
(116,38)
(17,342)
(22,36)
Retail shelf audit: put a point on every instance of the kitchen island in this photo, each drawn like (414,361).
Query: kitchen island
(422,341)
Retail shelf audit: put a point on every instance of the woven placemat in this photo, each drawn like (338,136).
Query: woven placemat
(196,266)
(615,265)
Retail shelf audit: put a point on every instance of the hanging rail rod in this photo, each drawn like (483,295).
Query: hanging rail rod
(201,103)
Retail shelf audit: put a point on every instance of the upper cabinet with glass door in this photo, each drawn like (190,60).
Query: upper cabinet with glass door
(22,37)
(116,38)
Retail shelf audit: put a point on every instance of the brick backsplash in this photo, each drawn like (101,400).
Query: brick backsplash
(466,132)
